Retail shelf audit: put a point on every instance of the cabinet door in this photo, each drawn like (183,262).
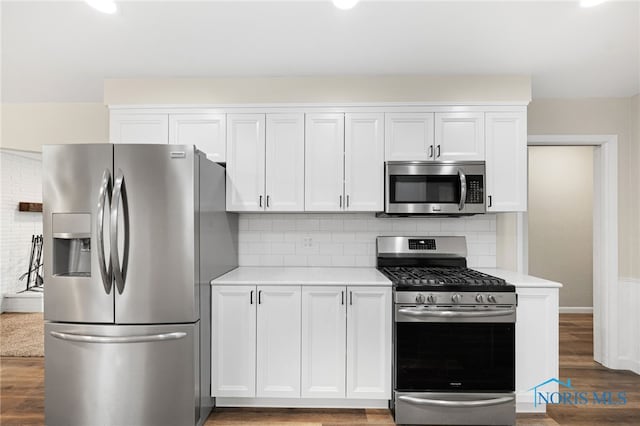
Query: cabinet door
(278,342)
(138,128)
(324,163)
(536,343)
(285,162)
(206,131)
(408,136)
(506,161)
(364,162)
(369,343)
(233,343)
(323,342)
(459,136)
(245,162)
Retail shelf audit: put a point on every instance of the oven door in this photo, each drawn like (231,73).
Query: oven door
(454,349)
(453,188)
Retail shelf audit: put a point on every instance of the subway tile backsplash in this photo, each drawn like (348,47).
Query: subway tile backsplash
(349,239)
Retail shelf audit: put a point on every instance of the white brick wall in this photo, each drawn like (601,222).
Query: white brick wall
(21,181)
(349,239)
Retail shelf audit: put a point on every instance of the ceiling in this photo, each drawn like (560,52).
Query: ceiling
(62,51)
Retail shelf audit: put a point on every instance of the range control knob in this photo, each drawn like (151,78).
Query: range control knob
(456,298)
(491,298)
(479,298)
(431,298)
(419,298)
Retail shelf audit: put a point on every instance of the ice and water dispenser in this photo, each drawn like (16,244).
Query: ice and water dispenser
(71,244)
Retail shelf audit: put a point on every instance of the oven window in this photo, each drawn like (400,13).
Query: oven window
(455,356)
(424,189)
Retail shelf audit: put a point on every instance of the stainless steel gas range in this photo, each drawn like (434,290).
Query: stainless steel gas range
(454,335)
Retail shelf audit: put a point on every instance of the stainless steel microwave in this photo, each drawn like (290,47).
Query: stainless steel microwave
(434,188)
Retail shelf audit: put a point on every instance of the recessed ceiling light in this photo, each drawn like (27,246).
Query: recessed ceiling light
(345,4)
(104,6)
(591,3)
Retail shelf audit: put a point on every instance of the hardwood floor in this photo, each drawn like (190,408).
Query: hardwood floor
(22,393)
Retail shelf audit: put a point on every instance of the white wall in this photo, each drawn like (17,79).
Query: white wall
(349,239)
(21,181)
(561,220)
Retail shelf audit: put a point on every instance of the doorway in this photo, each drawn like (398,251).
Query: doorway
(605,237)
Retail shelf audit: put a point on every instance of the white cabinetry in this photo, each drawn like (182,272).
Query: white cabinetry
(127,127)
(205,131)
(233,343)
(459,136)
(265,168)
(506,161)
(246,162)
(359,316)
(255,358)
(364,162)
(536,343)
(324,165)
(344,162)
(369,343)
(278,342)
(409,136)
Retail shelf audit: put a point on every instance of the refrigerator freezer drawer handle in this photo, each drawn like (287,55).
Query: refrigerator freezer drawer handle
(125,339)
(119,192)
(104,202)
(456,404)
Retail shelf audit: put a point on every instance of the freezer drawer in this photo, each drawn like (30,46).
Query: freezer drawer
(121,375)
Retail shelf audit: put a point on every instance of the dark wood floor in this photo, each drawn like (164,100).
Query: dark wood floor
(22,393)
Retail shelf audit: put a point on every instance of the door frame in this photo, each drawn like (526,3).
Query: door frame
(605,237)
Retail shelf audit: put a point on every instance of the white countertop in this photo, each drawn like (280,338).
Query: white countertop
(518,279)
(260,275)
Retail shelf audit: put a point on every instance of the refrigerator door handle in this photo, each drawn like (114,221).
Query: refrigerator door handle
(119,192)
(84,338)
(104,202)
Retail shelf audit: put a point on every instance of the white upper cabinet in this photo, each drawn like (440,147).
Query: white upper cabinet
(245,162)
(278,342)
(324,163)
(206,131)
(138,128)
(364,162)
(285,162)
(506,161)
(409,136)
(323,341)
(459,136)
(233,341)
(369,343)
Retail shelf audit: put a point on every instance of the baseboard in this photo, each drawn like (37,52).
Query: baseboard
(576,310)
(23,302)
(301,402)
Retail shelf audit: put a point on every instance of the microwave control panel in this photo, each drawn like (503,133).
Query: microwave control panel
(475,192)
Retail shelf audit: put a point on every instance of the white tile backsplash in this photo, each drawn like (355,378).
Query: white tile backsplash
(336,239)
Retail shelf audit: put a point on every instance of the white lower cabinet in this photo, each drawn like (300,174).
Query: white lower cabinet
(346,342)
(369,343)
(323,341)
(256,341)
(278,342)
(233,341)
(536,344)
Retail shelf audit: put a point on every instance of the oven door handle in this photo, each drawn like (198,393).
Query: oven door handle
(457,404)
(456,314)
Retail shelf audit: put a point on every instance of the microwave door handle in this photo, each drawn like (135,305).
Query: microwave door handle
(463,189)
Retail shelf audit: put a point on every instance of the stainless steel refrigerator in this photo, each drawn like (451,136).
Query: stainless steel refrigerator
(132,236)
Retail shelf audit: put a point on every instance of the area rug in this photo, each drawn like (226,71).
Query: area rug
(21,334)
